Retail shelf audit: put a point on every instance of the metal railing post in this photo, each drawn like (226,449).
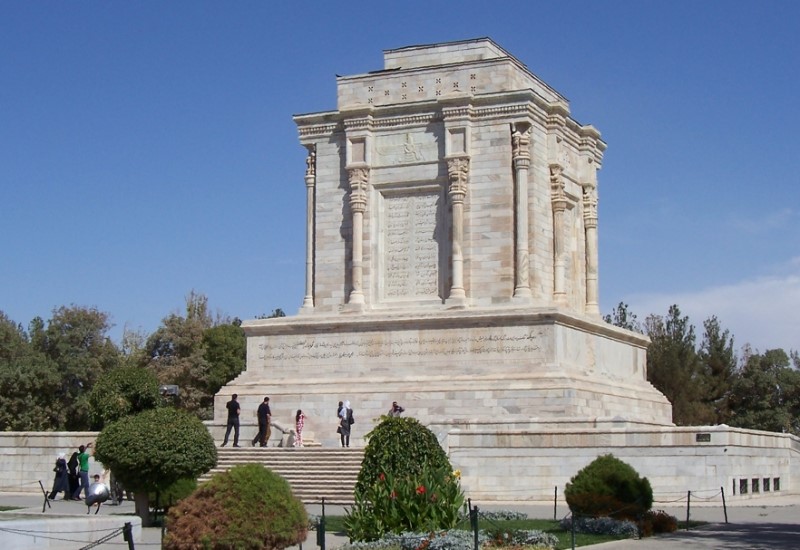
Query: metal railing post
(688,507)
(724,506)
(321,528)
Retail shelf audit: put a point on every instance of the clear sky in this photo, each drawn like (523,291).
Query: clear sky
(147,148)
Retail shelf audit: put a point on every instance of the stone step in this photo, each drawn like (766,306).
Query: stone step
(313,473)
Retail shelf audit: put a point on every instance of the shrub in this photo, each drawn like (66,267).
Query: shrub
(655,523)
(247,508)
(520,537)
(609,487)
(399,446)
(406,483)
(169,496)
(601,526)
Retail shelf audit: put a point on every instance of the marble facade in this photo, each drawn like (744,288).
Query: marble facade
(451,265)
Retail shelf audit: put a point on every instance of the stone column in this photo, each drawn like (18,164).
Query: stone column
(311,181)
(458,172)
(358,178)
(521,141)
(590,229)
(558,199)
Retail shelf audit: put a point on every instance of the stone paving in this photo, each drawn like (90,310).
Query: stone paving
(753,524)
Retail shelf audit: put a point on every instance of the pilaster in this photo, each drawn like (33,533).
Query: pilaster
(558,200)
(311,181)
(521,158)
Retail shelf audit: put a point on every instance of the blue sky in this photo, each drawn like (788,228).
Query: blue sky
(147,148)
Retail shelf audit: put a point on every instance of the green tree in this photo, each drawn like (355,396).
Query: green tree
(152,450)
(622,317)
(121,392)
(766,394)
(225,353)
(29,383)
(197,353)
(718,367)
(76,341)
(673,365)
(176,354)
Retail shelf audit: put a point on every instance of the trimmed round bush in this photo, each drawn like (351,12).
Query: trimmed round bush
(399,446)
(247,508)
(151,450)
(406,483)
(609,487)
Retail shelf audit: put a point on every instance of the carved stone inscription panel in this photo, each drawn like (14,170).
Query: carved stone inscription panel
(504,344)
(411,261)
(406,148)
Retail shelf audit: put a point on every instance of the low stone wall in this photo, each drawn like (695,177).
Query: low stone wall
(29,457)
(528,465)
(524,464)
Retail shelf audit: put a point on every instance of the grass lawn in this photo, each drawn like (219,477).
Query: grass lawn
(335,524)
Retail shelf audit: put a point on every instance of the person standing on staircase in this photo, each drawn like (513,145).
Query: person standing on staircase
(345,421)
(299,422)
(264,415)
(233,421)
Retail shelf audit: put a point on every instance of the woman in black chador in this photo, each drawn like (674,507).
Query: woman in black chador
(345,421)
(61,479)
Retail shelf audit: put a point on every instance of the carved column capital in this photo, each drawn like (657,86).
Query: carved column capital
(458,172)
(358,178)
(311,165)
(558,195)
(590,206)
(520,143)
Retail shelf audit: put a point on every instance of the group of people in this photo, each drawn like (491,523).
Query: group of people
(72,477)
(264,415)
(344,414)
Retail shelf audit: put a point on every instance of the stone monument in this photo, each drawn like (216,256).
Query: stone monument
(452,266)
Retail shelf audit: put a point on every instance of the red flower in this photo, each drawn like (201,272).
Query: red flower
(421,490)
(393,495)
(382,477)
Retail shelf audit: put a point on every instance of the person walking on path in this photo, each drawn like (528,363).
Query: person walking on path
(61,479)
(264,415)
(83,461)
(345,421)
(299,422)
(233,421)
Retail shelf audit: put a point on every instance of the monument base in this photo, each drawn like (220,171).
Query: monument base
(506,366)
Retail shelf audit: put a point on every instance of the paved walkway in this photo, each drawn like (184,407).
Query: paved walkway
(767,522)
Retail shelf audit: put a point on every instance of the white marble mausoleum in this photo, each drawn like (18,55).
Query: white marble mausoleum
(452,266)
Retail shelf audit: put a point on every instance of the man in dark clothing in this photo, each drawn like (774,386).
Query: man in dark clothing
(233,421)
(264,415)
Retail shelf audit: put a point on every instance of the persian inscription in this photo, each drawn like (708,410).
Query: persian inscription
(402,346)
(411,251)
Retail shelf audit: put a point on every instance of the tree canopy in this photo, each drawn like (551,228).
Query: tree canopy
(152,450)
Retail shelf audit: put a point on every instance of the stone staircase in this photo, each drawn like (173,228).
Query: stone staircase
(312,472)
